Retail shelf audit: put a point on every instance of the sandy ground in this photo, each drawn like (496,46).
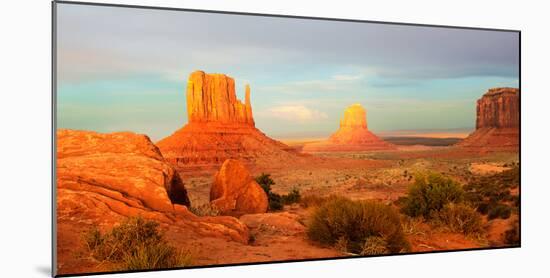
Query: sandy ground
(279,236)
(383,176)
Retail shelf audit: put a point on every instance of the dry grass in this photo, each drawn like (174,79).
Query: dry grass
(340,221)
(459,218)
(204,210)
(135,244)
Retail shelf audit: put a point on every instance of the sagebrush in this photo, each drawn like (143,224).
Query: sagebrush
(135,244)
(430,193)
(355,224)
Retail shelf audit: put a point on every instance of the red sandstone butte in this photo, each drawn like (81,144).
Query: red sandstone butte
(497,122)
(220,127)
(353,135)
(234,191)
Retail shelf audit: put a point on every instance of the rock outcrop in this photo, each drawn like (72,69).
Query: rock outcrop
(212,98)
(220,127)
(103,178)
(235,192)
(353,135)
(121,165)
(497,122)
(498,108)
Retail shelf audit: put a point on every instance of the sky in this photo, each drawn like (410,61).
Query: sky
(124,69)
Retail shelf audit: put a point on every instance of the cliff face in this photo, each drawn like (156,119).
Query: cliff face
(220,127)
(497,122)
(355,116)
(211,98)
(353,135)
(498,108)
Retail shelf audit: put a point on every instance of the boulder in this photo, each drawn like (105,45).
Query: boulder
(235,192)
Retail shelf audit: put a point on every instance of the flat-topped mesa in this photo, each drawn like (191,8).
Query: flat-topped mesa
(212,98)
(355,116)
(498,108)
(497,122)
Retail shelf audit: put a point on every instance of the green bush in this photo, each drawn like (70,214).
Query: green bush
(486,192)
(511,236)
(135,244)
(276,201)
(459,218)
(499,211)
(430,193)
(292,197)
(265,181)
(341,220)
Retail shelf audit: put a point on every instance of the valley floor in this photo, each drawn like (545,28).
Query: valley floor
(281,235)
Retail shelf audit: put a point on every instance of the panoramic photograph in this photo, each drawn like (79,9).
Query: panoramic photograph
(189,139)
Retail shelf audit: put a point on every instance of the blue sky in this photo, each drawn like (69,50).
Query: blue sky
(123,69)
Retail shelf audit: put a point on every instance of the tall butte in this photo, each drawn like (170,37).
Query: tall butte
(219,127)
(497,122)
(353,135)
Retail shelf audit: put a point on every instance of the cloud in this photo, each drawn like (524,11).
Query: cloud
(347,77)
(298,113)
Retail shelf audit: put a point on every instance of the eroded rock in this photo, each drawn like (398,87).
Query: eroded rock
(353,135)
(497,122)
(235,192)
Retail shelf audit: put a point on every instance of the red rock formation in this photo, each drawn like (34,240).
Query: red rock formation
(353,135)
(497,122)
(220,127)
(211,98)
(235,192)
(103,178)
(498,108)
(116,165)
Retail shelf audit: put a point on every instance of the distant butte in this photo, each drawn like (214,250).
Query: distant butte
(220,127)
(497,122)
(353,135)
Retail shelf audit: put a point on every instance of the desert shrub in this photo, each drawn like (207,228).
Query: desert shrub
(375,245)
(511,236)
(412,225)
(204,210)
(276,201)
(341,220)
(492,194)
(265,181)
(459,218)
(292,197)
(499,211)
(430,193)
(135,244)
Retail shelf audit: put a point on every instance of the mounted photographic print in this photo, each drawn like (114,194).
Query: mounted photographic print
(189,138)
